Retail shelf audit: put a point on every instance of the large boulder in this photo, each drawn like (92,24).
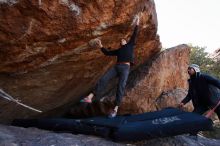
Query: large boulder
(167,71)
(47,55)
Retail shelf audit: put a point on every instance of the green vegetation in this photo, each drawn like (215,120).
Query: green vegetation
(207,64)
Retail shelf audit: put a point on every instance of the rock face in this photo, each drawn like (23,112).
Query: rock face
(166,72)
(46,48)
(182,140)
(172,98)
(12,136)
(158,84)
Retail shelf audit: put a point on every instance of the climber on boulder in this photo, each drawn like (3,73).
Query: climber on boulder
(125,57)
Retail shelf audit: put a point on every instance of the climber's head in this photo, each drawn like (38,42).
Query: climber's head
(123,42)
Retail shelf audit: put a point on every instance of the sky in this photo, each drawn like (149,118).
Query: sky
(195,22)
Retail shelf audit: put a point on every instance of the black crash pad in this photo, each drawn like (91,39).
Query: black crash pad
(163,123)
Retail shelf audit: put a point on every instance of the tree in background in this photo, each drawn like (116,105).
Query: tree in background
(216,69)
(207,64)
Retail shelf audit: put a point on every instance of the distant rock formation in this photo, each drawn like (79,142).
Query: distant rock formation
(216,55)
